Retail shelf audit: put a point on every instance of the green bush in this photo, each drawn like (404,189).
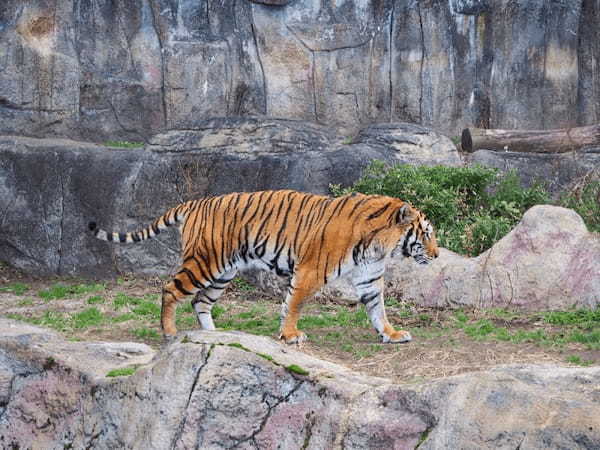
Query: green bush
(584,198)
(470,207)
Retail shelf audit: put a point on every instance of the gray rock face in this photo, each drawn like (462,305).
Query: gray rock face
(51,189)
(556,171)
(548,261)
(101,70)
(204,393)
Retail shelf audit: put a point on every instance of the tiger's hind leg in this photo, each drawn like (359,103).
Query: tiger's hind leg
(205,299)
(184,283)
(302,285)
(369,286)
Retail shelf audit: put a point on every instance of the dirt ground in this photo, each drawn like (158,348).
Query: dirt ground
(444,342)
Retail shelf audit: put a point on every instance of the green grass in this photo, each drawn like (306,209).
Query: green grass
(15,288)
(574,317)
(123,317)
(297,369)
(265,356)
(186,321)
(60,291)
(367,351)
(218,311)
(342,317)
(147,310)
(146,333)
(479,329)
(95,300)
(243,285)
(238,345)
(124,144)
(54,320)
(121,300)
(122,372)
(87,318)
(575,359)
(25,302)
(256,321)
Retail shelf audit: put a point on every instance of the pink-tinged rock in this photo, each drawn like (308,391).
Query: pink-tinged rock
(202,392)
(548,261)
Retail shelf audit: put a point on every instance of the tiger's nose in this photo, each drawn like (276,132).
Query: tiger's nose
(436,253)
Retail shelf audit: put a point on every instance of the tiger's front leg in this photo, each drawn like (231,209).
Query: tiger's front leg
(369,286)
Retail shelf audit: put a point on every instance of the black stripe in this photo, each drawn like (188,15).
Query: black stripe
(366,298)
(364,283)
(180,287)
(223,280)
(122,237)
(359,203)
(379,212)
(199,300)
(192,278)
(135,236)
(405,251)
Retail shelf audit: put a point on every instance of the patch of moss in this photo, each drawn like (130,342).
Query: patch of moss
(296,369)
(122,372)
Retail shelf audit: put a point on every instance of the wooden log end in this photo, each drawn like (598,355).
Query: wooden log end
(466,141)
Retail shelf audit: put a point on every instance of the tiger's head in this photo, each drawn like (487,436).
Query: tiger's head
(418,239)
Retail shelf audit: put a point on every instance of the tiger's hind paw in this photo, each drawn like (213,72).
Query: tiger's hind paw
(295,337)
(168,339)
(396,337)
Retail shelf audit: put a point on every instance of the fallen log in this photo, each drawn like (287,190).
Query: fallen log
(536,141)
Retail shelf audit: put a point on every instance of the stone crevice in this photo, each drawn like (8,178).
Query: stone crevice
(422,62)
(181,427)
(155,15)
(265,419)
(263,75)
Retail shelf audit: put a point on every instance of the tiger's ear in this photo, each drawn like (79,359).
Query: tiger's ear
(406,214)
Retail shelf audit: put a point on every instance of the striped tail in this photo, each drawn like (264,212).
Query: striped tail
(171,217)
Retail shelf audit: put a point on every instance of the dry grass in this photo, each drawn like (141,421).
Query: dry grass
(444,342)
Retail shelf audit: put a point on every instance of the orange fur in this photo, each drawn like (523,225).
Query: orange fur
(310,238)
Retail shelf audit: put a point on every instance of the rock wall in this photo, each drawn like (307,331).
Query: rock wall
(99,70)
(202,392)
(50,189)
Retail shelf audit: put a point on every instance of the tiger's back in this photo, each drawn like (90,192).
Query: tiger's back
(310,238)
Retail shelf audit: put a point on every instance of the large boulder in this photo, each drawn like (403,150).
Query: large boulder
(102,70)
(50,189)
(222,390)
(548,261)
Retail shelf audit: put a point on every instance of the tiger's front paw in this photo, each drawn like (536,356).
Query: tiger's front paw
(293,337)
(396,337)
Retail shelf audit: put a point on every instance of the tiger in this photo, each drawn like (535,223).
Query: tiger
(311,239)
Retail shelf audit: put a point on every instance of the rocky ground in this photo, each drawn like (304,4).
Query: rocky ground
(446,342)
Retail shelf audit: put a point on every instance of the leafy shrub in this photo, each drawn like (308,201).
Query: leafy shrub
(470,207)
(584,198)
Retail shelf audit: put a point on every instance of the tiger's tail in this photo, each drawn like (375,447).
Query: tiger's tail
(171,217)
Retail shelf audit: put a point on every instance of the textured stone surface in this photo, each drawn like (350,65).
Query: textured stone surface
(548,261)
(51,189)
(204,393)
(102,70)
(557,172)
